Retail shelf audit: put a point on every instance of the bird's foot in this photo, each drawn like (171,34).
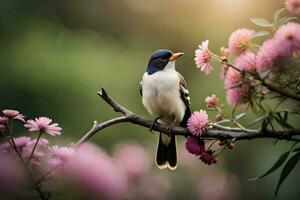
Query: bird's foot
(170,132)
(153,124)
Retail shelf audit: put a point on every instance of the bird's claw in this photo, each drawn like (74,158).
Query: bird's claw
(152,126)
(170,131)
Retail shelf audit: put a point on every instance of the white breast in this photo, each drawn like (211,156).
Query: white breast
(161,96)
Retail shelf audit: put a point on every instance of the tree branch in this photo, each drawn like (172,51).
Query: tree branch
(271,87)
(216,131)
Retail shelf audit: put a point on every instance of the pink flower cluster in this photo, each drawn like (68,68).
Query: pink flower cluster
(88,168)
(25,146)
(293,6)
(239,41)
(280,48)
(237,90)
(198,122)
(196,146)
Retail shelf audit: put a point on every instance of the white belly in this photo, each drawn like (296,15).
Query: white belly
(161,96)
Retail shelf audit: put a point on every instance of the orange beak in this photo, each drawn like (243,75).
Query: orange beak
(175,56)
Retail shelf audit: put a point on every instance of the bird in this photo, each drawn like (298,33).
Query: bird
(165,96)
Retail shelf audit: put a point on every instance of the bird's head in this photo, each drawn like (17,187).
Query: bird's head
(162,59)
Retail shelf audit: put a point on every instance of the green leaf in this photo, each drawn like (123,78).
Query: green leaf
(282,122)
(276,165)
(277,14)
(289,166)
(261,118)
(285,20)
(289,111)
(239,116)
(223,121)
(261,22)
(260,34)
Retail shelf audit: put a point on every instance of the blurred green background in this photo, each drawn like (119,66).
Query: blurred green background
(56,54)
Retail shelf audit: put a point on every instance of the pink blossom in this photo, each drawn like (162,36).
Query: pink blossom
(133,158)
(3,120)
(267,55)
(237,90)
(198,122)
(219,117)
(94,173)
(288,37)
(20,117)
(2,127)
(43,124)
(238,95)
(212,101)
(60,155)
(233,78)
(202,58)
(194,146)
(293,6)
(246,61)
(20,142)
(239,41)
(208,158)
(11,177)
(41,142)
(10,113)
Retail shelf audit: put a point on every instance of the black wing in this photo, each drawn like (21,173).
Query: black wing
(184,94)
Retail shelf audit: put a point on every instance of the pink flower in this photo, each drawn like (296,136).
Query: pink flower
(239,41)
(10,113)
(43,124)
(202,58)
(238,95)
(95,173)
(135,165)
(62,152)
(3,120)
(238,92)
(267,55)
(293,6)
(212,101)
(246,61)
(233,78)
(194,146)
(20,117)
(11,177)
(20,143)
(288,37)
(208,158)
(2,127)
(219,117)
(41,142)
(198,122)
(60,155)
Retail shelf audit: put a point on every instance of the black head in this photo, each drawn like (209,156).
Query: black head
(159,59)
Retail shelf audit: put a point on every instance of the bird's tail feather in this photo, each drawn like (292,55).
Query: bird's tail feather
(166,156)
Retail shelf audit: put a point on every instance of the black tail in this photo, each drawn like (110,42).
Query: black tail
(166,156)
